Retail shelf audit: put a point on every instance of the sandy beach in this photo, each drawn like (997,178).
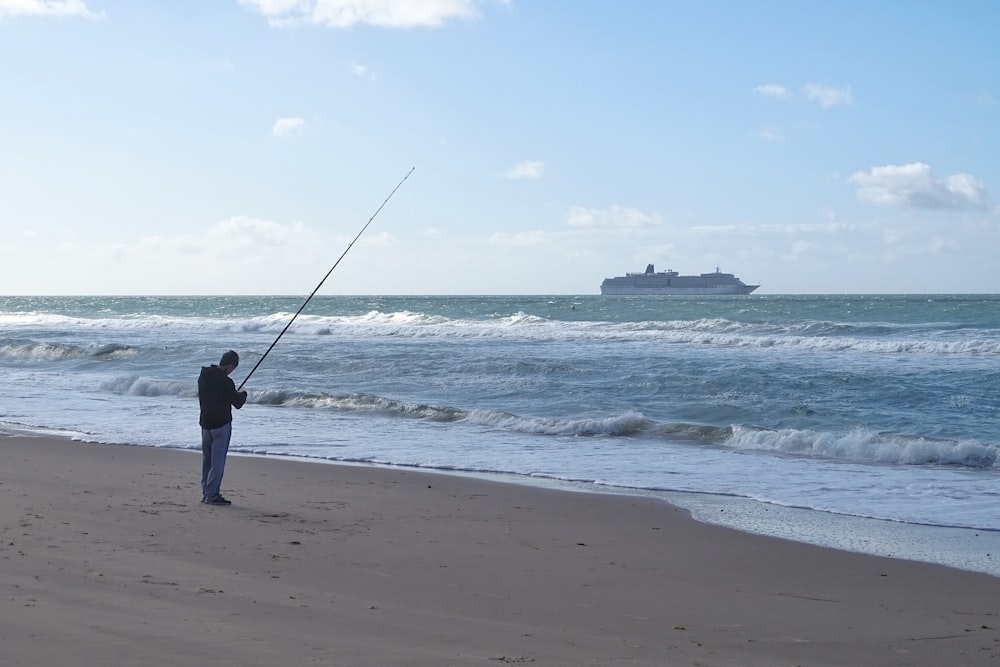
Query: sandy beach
(110,558)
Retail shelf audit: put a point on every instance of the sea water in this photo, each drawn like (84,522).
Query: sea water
(862,422)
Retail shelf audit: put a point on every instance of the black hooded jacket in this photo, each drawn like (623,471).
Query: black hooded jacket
(217,397)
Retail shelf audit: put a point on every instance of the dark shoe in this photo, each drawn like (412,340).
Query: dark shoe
(217,500)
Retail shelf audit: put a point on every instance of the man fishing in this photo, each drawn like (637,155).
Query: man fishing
(217,393)
(217,396)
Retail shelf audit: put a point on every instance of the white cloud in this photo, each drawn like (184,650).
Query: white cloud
(358,70)
(940,245)
(521,239)
(905,242)
(238,255)
(828,96)
(619,217)
(800,250)
(770,134)
(54,8)
(380,239)
(347,13)
(915,186)
(986,99)
(528,169)
(775,90)
(892,236)
(242,231)
(286,126)
(722,230)
(233,236)
(751,229)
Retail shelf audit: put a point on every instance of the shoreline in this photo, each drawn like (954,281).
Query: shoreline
(969,549)
(110,558)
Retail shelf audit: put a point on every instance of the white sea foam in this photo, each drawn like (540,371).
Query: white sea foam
(137,386)
(865,446)
(721,332)
(627,424)
(47,351)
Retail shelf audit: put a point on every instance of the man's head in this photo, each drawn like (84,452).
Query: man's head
(230,360)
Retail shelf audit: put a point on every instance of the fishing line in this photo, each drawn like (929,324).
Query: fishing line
(302,307)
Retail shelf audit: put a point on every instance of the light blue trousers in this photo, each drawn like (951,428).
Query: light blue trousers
(214,447)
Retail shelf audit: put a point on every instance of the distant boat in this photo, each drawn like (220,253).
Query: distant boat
(671,282)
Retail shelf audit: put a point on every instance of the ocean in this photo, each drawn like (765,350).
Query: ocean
(867,423)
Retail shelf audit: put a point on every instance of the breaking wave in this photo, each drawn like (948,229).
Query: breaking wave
(820,336)
(879,338)
(855,446)
(44,351)
(865,446)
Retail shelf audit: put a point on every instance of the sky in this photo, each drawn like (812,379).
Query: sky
(240,146)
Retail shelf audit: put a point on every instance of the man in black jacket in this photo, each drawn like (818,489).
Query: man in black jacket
(217,397)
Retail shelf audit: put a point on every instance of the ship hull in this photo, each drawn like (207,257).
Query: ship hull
(633,290)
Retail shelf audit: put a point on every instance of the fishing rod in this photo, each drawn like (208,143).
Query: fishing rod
(309,298)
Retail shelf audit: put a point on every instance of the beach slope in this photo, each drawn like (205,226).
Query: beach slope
(109,558)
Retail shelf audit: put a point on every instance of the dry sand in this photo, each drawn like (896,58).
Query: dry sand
(108,557)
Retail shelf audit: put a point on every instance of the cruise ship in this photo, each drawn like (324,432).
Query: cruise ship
(671,282)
